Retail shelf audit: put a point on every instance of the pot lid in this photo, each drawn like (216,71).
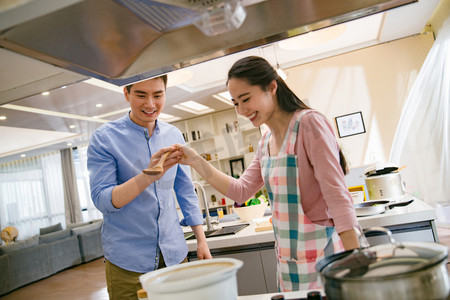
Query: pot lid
(383,261)
(380,168)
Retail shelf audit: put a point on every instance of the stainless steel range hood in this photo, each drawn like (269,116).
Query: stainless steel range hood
(116,41)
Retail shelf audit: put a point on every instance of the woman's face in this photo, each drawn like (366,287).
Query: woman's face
(252,102)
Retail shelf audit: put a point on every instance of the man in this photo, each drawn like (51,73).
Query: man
(141,230)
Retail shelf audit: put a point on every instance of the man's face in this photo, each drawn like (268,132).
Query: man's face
(146,100)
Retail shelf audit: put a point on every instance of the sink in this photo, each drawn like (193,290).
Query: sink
(226,230)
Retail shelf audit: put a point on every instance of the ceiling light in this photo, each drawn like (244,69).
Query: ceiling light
(313,38)
(225,97)
(23,155)
(104,85)
(193,107)
(72,126)
(69,144)
(168,118)
(178,77)
(281,73)
(45,93)
(98,105)
(2,118)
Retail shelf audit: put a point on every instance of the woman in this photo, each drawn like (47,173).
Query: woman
(299,162)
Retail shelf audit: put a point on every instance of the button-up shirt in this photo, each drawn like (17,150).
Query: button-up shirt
(133,235)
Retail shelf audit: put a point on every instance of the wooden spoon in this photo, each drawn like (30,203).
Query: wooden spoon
(158,168)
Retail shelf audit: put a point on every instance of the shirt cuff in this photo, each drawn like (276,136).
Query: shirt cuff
(192,220)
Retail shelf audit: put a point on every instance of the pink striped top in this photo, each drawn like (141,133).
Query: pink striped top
(325,198)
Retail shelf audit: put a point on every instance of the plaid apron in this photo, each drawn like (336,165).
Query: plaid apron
(298,242)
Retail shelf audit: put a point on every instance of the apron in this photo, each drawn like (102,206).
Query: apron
(298,242)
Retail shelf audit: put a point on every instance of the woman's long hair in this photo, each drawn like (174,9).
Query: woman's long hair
(256,70)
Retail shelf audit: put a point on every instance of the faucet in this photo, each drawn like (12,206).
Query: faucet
(209,226)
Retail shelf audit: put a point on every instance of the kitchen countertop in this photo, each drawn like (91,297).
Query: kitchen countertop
(288,295)
(415,212)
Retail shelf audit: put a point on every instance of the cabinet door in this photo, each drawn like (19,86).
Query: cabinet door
(250,277)
(269,263)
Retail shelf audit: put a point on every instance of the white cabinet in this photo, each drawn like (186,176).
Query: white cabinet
(220,137)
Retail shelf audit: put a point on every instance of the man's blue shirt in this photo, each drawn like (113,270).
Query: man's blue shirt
(132,235)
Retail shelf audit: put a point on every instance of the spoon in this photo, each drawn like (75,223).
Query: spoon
(158,168)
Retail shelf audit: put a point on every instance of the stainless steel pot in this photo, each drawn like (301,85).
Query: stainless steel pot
(408,270)
(385,186)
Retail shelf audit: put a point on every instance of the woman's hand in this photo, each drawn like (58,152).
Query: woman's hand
(187,155)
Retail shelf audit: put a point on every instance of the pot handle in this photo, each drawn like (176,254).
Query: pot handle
(364,243)
(381,229)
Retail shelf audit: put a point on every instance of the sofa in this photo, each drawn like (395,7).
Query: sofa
(51,251)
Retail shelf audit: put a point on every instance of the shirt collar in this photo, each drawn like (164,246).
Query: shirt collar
(139,127)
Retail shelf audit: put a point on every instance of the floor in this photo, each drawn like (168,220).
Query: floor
(87,281)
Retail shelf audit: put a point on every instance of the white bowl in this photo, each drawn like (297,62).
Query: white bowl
(202,279)
(248,213)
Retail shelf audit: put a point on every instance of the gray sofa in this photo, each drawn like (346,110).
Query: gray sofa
(53,250)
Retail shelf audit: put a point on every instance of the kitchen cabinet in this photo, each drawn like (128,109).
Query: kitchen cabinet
(220,137)
(258,273)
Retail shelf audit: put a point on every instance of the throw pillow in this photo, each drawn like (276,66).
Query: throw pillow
(11,247)
(87,228)
(75,225)
(49,229)
(53,236)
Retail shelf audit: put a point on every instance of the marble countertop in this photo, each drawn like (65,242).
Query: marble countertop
(415,212)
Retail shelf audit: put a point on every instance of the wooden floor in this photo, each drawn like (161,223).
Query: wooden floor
(87,281)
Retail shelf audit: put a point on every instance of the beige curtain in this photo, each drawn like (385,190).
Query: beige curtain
(71,199)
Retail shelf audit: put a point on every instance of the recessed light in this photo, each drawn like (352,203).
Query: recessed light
(23,155)
(225,97)
(193,107)
(72,126)
(168,118)
(2,117)
(69,144)
(98,105)
(45,93)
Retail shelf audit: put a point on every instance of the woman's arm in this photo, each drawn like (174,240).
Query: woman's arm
(349,239)
(216,178)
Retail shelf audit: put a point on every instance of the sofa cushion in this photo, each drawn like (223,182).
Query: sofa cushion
(52,228)
(11,247)
(87,228)
(53,236)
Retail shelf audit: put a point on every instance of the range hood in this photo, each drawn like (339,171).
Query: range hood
(123,41)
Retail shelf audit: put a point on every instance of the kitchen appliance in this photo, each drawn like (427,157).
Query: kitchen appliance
(407,270)
(384,182)
(203,279)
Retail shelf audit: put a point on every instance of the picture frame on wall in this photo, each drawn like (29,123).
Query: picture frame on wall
(237,167)
(350,124)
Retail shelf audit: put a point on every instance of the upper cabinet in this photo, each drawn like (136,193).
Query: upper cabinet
(222,138)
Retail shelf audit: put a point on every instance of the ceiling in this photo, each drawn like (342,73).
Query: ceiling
(37,123)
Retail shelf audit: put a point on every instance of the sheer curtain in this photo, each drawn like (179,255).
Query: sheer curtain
(31,194)
(422,140)
(90,212)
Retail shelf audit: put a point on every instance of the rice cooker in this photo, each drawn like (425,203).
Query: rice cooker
(384,182)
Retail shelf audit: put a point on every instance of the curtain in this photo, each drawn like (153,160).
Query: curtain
(90,212)
(31,193)
(422,139)
(71,200)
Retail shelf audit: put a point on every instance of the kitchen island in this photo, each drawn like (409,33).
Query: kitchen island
(414,222)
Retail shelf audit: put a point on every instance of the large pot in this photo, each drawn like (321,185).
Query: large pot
(408,270)
(202,279)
